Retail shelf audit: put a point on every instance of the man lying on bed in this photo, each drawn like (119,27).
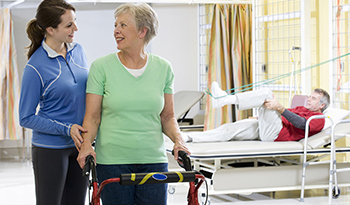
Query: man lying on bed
(274,123)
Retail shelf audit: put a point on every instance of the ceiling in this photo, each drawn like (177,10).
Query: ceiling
(34,3)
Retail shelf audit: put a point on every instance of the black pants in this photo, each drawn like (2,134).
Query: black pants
(58,177)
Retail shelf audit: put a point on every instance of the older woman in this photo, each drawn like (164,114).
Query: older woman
(129,103)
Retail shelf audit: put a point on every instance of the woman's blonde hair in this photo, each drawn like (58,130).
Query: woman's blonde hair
(144,16)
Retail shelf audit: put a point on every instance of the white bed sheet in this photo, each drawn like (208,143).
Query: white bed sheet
(240,149)
(235,149)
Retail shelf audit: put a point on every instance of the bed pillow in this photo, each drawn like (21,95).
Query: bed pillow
(336,114)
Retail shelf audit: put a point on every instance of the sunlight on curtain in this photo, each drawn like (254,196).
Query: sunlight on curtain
(242,48)
(229,58)
(9,82)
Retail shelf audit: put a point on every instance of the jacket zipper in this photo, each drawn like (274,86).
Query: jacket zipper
(75,81)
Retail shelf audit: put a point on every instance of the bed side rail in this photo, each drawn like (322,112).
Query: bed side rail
(307,127)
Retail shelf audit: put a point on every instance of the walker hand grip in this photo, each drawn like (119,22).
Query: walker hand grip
(185,159)
(87,167)
(157,177)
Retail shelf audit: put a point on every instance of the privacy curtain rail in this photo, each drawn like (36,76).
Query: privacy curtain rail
(16,2)
(169,1)
(30,4)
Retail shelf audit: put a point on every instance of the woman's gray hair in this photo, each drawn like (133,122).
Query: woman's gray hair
(144,16)
(325,99)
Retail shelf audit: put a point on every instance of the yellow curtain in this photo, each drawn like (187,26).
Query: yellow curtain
(229,58)
(9,82)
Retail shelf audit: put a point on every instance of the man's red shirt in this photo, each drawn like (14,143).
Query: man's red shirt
(291,133)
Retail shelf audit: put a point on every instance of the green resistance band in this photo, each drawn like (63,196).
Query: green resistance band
(270,80)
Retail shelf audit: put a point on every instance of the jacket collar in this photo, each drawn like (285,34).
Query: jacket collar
(53,54)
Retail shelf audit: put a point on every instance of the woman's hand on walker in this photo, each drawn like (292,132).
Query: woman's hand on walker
(85,150)
(180,146)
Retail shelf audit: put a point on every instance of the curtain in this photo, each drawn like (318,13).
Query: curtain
(243,69)
(229,58)
(9,82)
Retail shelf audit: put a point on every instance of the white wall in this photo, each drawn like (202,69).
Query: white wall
(177,40)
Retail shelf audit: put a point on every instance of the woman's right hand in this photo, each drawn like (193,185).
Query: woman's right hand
(76,136)
(85,150)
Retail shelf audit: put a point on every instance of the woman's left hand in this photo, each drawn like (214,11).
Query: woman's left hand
(75,131)
(180,145)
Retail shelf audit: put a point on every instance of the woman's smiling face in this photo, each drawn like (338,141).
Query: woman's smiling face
(125,33)
(65,30)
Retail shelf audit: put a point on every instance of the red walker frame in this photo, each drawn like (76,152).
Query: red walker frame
(189,176)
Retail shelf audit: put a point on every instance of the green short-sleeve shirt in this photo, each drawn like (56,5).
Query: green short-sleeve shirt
(130,131)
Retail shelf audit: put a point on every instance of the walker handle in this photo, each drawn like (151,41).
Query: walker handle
(87,167)
(185,159)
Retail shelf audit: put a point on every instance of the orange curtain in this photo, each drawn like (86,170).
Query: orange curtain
(9,82)
(229,58)
(241,51)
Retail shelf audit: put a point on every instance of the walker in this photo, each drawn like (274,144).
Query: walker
(193,177)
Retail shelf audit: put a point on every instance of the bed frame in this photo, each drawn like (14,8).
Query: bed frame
(243,167)
(254,166)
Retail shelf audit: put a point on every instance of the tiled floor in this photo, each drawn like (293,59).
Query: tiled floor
(17,188)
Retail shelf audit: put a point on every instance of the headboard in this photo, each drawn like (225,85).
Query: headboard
(298,100)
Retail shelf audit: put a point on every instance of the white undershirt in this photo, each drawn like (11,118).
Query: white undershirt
(135,72)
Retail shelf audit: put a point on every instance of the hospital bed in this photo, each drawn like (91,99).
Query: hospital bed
(254,166)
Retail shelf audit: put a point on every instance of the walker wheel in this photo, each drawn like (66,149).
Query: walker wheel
(203,196)
(171,190)
(208,202)
(335,195)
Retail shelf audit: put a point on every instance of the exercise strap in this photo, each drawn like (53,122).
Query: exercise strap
(270,80)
